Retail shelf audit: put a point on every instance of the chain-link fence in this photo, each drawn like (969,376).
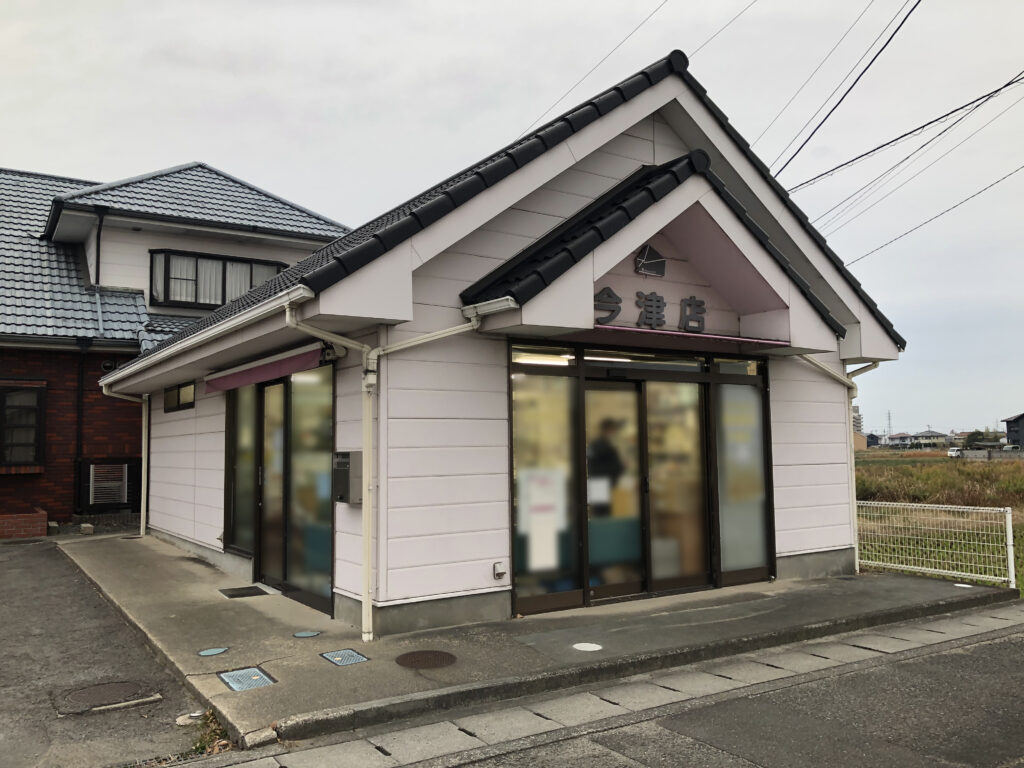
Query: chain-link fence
(973,543)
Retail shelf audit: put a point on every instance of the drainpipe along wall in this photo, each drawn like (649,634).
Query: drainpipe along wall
(144,480)
(851,391)
(371,356)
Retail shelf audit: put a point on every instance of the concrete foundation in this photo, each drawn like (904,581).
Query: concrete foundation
(236,565)
(427,614)
(818,565)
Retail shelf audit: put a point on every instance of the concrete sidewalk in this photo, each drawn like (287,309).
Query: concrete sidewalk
(174,598)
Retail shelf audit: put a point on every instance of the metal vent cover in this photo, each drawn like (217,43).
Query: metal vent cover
(108,484)
(426,659)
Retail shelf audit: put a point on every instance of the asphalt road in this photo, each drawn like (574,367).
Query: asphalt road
(58,635)
(960,707)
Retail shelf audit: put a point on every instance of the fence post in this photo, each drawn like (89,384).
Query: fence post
(1010,565)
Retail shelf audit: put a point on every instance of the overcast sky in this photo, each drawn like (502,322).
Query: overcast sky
(350,108)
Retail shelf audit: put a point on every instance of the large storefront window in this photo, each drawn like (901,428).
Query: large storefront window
(546,526)
(615,456)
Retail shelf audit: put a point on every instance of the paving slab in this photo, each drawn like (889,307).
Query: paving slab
(638,696)
(841,652)
(882,643)
(916,634)
(357,754)
(954,628)
(749,672)
(506,725)
(796,661)
(656,747)
(697,683)
(986,622)
(577,709)
(425,742)
(1012,614)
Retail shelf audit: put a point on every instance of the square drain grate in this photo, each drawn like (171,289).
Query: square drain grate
(245,679)
(344,657)
(252,591)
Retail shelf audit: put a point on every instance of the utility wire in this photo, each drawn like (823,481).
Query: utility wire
(746,8)
(938,215)
(901,137)
(632,32)
(933,162)
(839,84)
(852,86)
(603,59)
(865,190)
(811,76)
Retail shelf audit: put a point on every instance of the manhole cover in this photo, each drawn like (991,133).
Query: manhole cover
(246,679)
(103,695)
(425,659)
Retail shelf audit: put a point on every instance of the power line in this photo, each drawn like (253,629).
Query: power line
(852,86)
(816,69)
(901,137)
(632,32)
(600,62)
(840,84)
(720,31)
(933,162)
(867,189)
(938,215)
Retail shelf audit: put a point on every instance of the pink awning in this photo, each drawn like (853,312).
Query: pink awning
(272,368)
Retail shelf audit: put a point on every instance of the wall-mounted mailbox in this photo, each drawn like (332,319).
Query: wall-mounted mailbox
(348,477)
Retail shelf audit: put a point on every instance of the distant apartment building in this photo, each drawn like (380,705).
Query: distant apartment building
(858,420)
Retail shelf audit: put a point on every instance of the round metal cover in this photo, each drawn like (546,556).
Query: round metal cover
(425,659)
(103,694)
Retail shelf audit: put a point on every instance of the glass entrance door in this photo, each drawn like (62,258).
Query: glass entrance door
(296,508)
(272,471)
(615,536)
(680,542)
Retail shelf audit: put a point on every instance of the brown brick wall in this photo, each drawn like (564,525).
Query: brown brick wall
(111,428)
(23,526)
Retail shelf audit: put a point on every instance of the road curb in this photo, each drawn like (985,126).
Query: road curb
(321,722)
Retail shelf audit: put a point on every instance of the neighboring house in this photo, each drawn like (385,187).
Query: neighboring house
(1015,429)
(500,394)
(860,442)
(930,439)
(92,274)
(872,439)
(898,440)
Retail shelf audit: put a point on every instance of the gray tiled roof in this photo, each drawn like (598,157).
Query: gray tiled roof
(42,292)
(198,193)
(350,252)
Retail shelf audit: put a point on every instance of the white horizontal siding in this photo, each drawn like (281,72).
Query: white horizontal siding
(186,480)
(810,452)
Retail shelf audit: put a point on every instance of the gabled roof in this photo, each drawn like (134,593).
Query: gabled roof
(197,193)
(1013,418)
(532,270)
(364,244)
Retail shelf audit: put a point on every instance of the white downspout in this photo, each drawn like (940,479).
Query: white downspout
(370,357)
(144,490)
(851,390)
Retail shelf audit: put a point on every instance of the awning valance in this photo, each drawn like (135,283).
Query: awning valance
(266,369)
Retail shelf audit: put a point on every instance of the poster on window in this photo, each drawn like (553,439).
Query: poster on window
(542,514)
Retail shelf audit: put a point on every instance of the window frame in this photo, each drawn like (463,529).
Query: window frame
(165,278)
(176,389)
(38,388)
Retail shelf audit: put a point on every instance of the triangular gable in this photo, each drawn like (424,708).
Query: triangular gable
(199,193)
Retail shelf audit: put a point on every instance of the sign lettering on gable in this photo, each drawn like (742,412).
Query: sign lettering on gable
(652,310)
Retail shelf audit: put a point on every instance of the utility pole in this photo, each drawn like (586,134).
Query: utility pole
(889,428)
